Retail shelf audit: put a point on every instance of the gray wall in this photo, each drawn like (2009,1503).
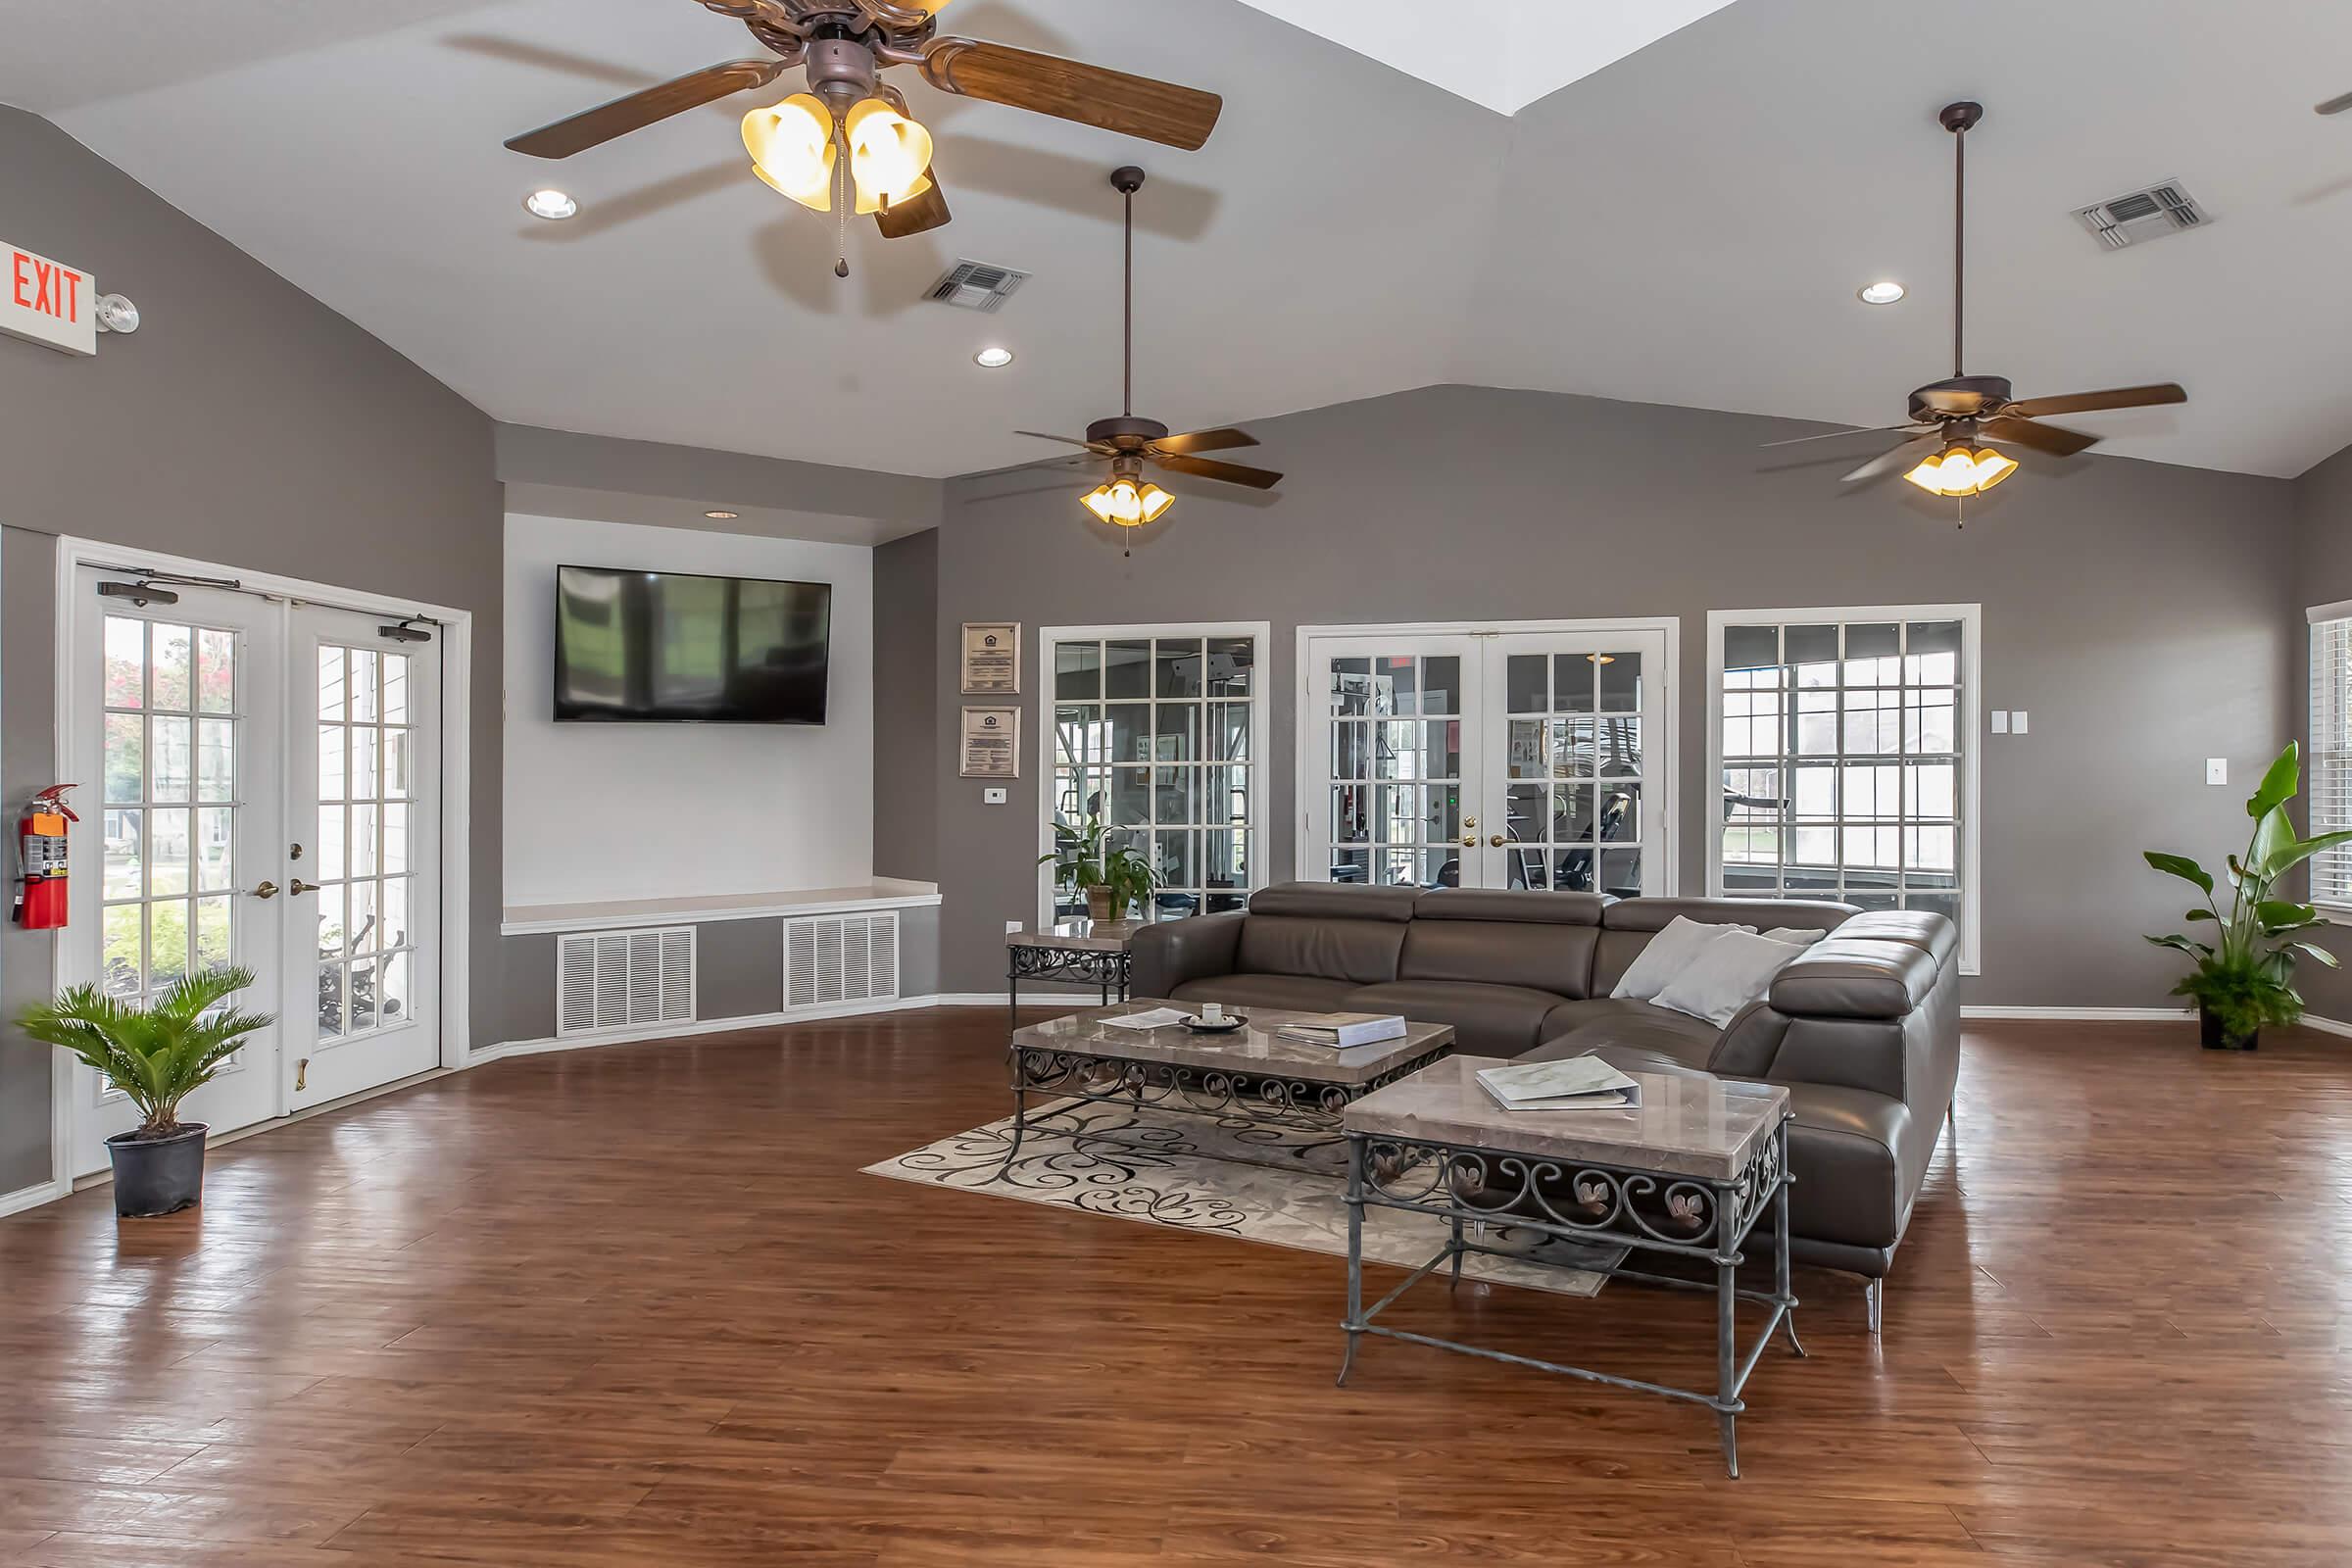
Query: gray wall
(907,699)
(2139,611)
(247,425)
(2323,576)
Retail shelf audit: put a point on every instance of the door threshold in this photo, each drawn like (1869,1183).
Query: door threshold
(105,1178)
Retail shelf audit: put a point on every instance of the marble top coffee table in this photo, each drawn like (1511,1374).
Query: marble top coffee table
(1689,1174)
(1249,1076)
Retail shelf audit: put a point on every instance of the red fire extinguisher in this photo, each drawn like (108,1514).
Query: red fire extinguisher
(42,846)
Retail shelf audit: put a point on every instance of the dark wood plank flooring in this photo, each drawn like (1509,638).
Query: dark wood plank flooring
(637,1305)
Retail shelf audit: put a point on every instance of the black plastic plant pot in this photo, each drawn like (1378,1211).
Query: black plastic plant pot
(158,1175)
(2214,1037)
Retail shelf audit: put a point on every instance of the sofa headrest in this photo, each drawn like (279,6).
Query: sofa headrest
(1765,914)
(1517,906)
(1854,977)
(1335,900)
(1931,933)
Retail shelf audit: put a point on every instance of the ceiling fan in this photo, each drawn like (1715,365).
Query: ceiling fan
(849,135)
(1951,423)
(1128,500)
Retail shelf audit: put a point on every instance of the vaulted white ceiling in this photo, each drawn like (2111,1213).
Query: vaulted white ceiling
(1680,212)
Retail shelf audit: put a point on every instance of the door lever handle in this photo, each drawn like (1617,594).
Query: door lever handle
(268,889)
(301,887)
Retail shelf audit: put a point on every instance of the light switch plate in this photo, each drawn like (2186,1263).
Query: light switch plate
(1013,928)
(993,795)
(2000,721)
(2217,770)
(2017,722)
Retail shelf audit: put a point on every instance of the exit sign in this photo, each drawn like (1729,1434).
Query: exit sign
(47,302)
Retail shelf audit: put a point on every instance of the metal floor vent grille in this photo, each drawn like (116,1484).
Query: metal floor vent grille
(977,286)
(623,979)
(2143,215)
(831,959)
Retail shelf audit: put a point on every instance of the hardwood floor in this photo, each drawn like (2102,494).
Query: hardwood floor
(637,1305)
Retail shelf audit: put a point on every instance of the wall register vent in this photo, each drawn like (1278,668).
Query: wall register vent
(835,958)
(623,979)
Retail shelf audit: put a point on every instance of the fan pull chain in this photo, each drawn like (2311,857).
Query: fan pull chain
(841,207)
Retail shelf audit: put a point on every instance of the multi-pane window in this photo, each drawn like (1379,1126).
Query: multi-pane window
(1573,801)
(366,872)
(166,889)
(2331,751)
(1395,769)
(1843,747)
(1154,735)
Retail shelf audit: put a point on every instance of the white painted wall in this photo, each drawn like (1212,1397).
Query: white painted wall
(599,811)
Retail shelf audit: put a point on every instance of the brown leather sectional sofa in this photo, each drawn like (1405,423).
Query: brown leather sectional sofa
(1863,1026)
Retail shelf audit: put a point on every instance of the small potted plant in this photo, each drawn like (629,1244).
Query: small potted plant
(158,1054)
(1113,878)
(2243,978)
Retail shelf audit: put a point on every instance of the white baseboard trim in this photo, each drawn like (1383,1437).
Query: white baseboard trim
(2084,1014)
(2327,1026)
(33,1196)
(702,1026)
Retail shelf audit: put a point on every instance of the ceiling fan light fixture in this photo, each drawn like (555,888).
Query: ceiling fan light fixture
(1156,501)
(791,150)
(1959,470)
(890,155)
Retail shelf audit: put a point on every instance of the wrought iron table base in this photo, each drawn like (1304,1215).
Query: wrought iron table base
(1641,1211)
(1272,1103)
(1107,969)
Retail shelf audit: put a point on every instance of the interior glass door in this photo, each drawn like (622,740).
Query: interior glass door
(1388,804)
(363,822)
(174,727)
(1573,731)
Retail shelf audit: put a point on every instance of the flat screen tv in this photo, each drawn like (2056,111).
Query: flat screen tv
(669,647)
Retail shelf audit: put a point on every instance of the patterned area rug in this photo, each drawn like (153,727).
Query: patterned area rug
(1179,1171)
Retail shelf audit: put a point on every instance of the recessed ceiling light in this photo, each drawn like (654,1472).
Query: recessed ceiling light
(1879,293)
(552,205)
(993,358)
(722,517)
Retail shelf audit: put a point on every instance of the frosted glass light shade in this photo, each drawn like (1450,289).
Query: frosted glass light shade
(791,144)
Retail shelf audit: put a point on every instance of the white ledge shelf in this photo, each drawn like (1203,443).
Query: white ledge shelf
(884,893)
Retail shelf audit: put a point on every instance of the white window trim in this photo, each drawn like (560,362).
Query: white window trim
(1663,786)
(1969,723)
(1261,702)
(2336,913)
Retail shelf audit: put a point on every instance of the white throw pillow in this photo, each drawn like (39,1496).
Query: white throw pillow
(1801,936)
(1667,954)
(1729,973)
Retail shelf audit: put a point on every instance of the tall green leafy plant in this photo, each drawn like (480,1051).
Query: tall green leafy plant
(2245,976)
(1085,857)
(159,1053)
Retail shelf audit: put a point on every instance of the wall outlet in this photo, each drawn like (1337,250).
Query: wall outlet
(993,795)
(2217,770)
(2000,721)
(2017,722)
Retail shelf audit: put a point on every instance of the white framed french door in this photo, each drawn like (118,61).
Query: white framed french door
(1521,755)
(362,949)
(265,783)
(176,712)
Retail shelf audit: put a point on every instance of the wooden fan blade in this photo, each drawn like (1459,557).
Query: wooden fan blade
(1095,447)
(1066,89)
(2122,397)
(1203,441)
(917,216)
(2334,106)
(1840,435)
(1888,462)
(592,128)
(1227,473)
(2041,437)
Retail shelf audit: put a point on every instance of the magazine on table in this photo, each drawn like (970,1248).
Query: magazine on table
(1340,1030)
(1150,1018)
(1579,1083)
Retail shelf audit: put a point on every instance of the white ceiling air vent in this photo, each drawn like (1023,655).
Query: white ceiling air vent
(2143,215)
(977,286)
